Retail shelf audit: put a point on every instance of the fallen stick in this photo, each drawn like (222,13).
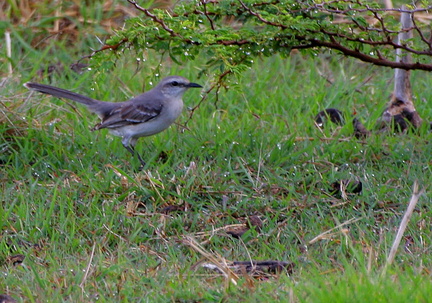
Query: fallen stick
(407,216)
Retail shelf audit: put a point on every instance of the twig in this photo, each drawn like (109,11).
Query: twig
(88,267)
(260,18)
(407,216)
(217,85)
(218,261)
(117,235)
(9,51)
(320,236)
(104,48)
(155,19)
(215,230)
(204,4)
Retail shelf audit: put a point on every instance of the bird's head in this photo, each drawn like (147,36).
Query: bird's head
(175,86)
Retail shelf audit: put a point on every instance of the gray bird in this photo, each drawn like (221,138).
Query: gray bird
(141,116)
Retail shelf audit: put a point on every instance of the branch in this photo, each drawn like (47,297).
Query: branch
(104,48)
(364,57)
(322,6)
(322,34)
(250,11)
(420,33)
(204,4)
(216,85)
(154,18)
(408,213)
(388,42)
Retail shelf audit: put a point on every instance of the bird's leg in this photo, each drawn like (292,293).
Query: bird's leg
(141,161)
(131,148)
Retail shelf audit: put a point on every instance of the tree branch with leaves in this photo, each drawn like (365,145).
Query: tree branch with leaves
(232,33)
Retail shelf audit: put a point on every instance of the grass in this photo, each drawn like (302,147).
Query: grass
(100,227)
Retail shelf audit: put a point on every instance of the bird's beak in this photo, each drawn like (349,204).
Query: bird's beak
(191,84)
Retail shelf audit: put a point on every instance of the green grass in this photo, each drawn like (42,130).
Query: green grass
(255,152)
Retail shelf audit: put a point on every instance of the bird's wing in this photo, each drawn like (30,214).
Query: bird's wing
(131,112)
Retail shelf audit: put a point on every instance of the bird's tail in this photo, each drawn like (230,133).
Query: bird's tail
(60,93)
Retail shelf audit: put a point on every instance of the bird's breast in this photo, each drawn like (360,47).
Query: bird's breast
(167,116)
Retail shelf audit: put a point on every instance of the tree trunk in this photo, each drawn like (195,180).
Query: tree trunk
(400,112)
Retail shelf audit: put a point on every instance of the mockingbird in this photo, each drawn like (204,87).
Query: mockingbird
(144,115)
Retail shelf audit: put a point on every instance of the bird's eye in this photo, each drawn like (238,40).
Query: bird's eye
(174,83)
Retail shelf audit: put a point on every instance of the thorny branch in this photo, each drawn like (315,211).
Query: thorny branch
(387,41)
(155,19)
(335,39)
(104,48)
(380,61)
(250,11)
(420,33)
(329,4)
(204,4)
(321,37)
(218,85)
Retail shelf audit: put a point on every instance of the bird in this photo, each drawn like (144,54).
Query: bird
(144,115)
